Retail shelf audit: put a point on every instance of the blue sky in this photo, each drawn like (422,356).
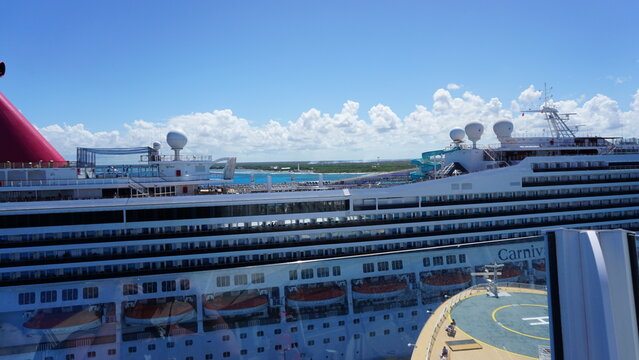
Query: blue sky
(107,64)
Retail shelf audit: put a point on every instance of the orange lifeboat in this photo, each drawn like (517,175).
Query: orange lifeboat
(63,322)
(319,296)
(246,303)
(170,312)
(375,290)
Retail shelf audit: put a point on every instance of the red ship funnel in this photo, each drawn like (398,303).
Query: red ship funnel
(19,140)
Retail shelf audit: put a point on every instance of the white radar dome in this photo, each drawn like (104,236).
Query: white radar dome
(474,131)
(176,140)
(503,128)
(457,134)
(156,145)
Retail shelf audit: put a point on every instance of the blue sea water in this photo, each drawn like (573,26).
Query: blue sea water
(244,177)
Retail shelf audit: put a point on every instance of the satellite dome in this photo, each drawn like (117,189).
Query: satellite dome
(176,140)
(503,128)
(457,134)
(157,145)
(474,131)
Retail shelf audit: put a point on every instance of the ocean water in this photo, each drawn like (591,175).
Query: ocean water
(244,177)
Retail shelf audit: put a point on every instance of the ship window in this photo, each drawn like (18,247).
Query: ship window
(438,260)
(462,258)
(326,340)
(341,323)
(426,262)
(294,329)
(356,336)
(132,349)
(69,294)
(260,349)
(368,267)
(188,342)
(91,354)
(277,331)
(382,266)
(226,354)
(386,317)
(243,336)
(451,259)
(371,334)
(260,333)
(386,332)
(90,292)
(307,273)
(292,274)
(185,284)
(168,285)
(223,281)
(26,298)
(310,327)
(355,321)
(401,329)
(129,289)
(151,347)
(257,278)
(149,287)
(241,279)
(326,325)
(414,327)
(243,352)
(226,338)
(48,296)
(311,342)
(208,357)
(70,357)
(111,352)
(337,271)
(322,272)
(397,265)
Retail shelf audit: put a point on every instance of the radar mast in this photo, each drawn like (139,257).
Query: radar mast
(556,121)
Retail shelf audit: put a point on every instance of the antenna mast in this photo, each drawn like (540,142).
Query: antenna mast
(556,121)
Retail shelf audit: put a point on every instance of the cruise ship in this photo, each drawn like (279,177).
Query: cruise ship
(167,260)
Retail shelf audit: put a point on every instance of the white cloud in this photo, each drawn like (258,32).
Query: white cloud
(618,80)
(529,95)
(315,135)
(453,86)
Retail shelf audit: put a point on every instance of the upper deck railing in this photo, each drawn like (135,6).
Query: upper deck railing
(37,164)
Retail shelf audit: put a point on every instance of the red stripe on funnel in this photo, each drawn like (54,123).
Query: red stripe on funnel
(19,140)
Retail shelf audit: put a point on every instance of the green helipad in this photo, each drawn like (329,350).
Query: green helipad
(516,322)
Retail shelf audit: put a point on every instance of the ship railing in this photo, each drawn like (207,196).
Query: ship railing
(62,182)
(103,181)
(37,164)
(182,157)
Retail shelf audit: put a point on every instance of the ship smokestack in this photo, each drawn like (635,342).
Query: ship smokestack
(19,140)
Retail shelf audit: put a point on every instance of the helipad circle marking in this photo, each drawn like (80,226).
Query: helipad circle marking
(515,331)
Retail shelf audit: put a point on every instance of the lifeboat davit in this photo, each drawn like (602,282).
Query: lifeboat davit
(376,290)
(319,296)
(64,322)
(246,303)
(170,312)
(447,281)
